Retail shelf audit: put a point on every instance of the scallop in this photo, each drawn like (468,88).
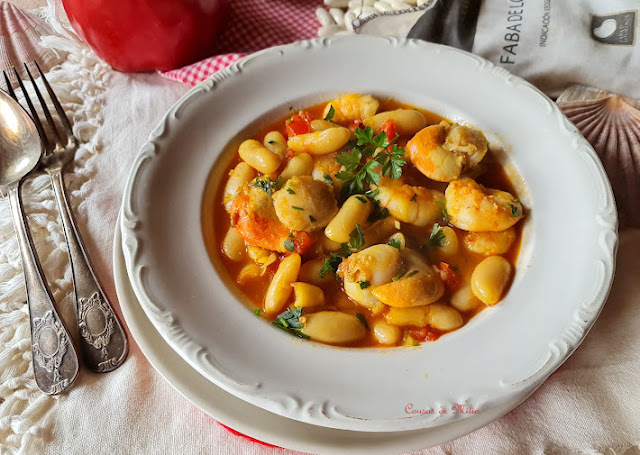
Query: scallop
(305,204)
(611,124)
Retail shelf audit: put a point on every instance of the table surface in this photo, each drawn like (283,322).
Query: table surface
(29,4)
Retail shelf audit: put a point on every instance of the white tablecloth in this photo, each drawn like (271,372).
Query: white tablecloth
(590,405)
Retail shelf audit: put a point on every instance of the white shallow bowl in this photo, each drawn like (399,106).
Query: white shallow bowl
(563,274)
(264,425)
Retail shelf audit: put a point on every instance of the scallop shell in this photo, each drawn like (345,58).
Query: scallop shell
(20,34)
(611,123)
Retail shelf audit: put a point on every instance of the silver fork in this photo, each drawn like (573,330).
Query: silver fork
(103,341)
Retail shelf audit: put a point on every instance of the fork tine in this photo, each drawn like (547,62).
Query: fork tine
(45,109)
(9,86)
(63,116)
(34,113)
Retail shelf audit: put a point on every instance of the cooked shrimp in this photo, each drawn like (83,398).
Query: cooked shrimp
(489,243)
(473,207)
(254,217)
(443,152)
(418,284)
(410,204)
(370,267)
(305,204)
(352,107)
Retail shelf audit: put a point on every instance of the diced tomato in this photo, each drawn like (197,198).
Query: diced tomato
(389,127)
(450,278)
(424,333)
(299,123)
(355,124)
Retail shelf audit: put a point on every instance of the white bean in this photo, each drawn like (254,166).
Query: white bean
(258,156)
(280,287)
(359,3)
(417,316)
(355,210)
(386,333)
(310,273)
(490,278)
(275,141)
(407,121)
(233,245)
(349,17)
(444,317)
(338,16)
(301,164)
(320,142)
(307,295)
(324,17)
(238,177)
(333,327)
(464,299)
(364,11)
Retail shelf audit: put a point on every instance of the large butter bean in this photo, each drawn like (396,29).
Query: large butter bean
(233,245)
(238,177)
(386,333)
(417,315)
(310,273)
(444,317)
(280,287)
(320,142)
(258,156)
(301,164)
(307,295)
(489,279)
(450,242)
(464,299)
(333,327)
(407,121)
(275,141)
(355,210)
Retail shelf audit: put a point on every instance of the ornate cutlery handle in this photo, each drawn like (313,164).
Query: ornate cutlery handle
(55,361)
(103,341)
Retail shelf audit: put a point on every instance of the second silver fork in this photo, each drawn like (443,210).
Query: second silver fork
(103,341)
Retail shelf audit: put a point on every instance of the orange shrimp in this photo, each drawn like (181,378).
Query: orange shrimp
(253,215)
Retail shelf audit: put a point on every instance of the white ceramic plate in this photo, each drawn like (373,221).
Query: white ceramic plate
(563,275)
(263,425)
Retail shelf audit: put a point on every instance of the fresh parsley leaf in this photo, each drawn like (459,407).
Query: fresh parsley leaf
(297,208)
(291,236)
(350,160)
(289,245)
(378,213)
(272,142)
(346,251)
(266,184)
(515,211)
(364,284)
(399,275)
(415,343)
(289,320)
(331,264)
(362,199)
(444,131)
(330,114)
(327,179)
(362,320)
(395,243)
(517,200)
(443,204)
(372,193)
(356,238)
(410,274)
(437,237)
(414,198)
(257,311)
(290,191)
(312,219)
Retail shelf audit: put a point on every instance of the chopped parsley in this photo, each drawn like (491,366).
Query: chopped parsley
(257,311)
(312,219)
(290,191)
(443,204)
(327,179)
(362,320)
(297,208)
(289,320)
(362,199)
(330,114)
(331,264)
(272,142)
(444,131)
(396,243)
(515,211)
(410,274)
(437,237)
(364,284)
(356,238)
(414,197)
(399,275)
(289,245)
(266,184)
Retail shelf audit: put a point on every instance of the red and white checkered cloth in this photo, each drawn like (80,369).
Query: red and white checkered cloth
(253,25)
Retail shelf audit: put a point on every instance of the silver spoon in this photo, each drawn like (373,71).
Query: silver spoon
(55,360)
